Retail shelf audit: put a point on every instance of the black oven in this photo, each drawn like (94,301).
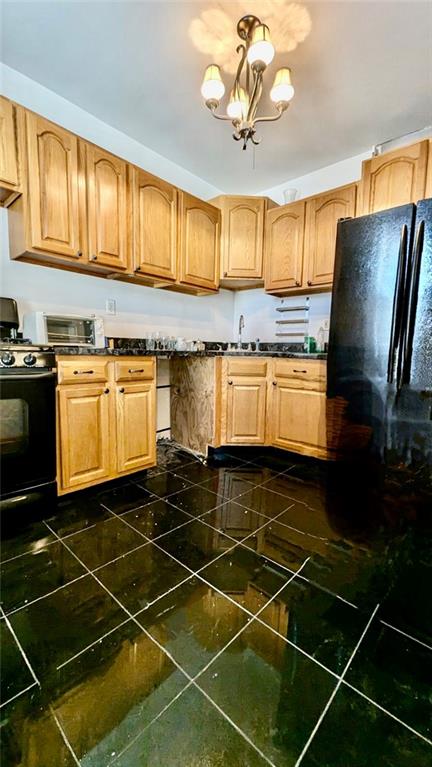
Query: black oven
(27,435)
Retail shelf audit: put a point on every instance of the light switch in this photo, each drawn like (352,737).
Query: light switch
(110,306)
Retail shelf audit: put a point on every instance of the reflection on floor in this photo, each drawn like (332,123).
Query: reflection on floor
(254,609)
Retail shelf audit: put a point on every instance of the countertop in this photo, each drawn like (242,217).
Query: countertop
(133,352)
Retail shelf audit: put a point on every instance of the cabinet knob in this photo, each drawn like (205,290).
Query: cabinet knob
(309,282)
(274,383)
(297,283)
(106,391)
(93,257)
(225,274)
(138,269)
(79,253)
(230,383)
(121,390)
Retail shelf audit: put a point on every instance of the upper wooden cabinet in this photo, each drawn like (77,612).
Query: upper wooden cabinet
(52,182)
(242,239)
(322,215)
(394,178)
(284,247)
(107,221)
(199,243)
(154,209)
(9,168)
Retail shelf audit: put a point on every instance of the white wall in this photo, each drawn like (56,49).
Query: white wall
(259,311)
(340,173)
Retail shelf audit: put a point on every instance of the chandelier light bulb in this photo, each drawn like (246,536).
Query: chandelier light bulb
(238,104)
(283,89)
(212,88)
(261,50)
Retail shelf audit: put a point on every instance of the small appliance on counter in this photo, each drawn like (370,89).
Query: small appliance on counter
(27,417)
(65,329)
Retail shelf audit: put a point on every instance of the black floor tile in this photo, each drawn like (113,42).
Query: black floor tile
(195,545)
(34,575)
(57,627)
(198,472)
(196,500)
(356,734)
(27,538)
(15,675)
(77,512)
(322,625)
(30,736)
(235,521)
(165,484)
(311,495)
(157,518)
(107,697)
(306,520)
(396,672)
(282,693)
(110,539)
(282,545)
(125,498)
(142,576)
(247,578)
(193,623)
(191,732)
(264,501)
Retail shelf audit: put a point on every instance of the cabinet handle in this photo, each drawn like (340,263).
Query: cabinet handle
(138,370)
(121,390)
(299,371)
(230,383)
(309,282)
(83,372)
(106,391)
(79,253)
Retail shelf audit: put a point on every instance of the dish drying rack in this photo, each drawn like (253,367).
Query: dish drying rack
(285,326)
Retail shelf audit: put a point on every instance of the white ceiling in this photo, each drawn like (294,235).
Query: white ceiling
(362,75)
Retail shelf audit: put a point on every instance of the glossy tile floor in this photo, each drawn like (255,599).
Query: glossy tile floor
(242,612)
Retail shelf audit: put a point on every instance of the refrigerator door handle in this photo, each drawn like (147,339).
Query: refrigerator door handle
(407,345)
(398,302)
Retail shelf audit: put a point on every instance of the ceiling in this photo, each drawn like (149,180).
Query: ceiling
(362,72)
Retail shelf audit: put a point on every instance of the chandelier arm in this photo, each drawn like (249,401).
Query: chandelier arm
(255,97)
(240,64)
(212,107)
(270,118)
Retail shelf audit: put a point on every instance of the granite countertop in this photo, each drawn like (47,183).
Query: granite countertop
(134,352)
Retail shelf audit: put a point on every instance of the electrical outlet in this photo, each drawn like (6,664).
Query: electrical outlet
(110,306)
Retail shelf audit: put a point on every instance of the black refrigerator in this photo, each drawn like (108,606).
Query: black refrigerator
(380,347)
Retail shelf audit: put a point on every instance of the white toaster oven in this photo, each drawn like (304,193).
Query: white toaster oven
(64,329)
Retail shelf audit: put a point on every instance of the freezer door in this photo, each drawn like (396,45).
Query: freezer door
(362,328)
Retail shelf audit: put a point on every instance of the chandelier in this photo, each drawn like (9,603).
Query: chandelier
(256,53)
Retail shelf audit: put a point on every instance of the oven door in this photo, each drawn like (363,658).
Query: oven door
(27,429)
(70,331)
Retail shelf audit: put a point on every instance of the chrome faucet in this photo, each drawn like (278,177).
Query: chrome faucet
(241,326)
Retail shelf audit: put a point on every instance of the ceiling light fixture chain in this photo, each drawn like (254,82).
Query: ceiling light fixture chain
(256,53)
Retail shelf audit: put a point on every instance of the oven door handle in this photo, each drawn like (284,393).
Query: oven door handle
(31,377)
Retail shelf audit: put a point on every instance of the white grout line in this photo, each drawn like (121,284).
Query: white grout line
(18,694)
(64,736)
(386,711)
(20,647)
(408,636)
(332,696)
(92,644)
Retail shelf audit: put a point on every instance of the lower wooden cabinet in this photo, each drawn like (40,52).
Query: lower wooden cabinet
(108,428)
(246,411)
(299,419)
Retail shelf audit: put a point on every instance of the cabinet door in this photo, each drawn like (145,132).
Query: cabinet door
(136,426)
(322,215)
(155,225)
(106,208)
(52,187)
(199,248)
(246,411)
(242,236)
(84,436)
(284,246)
(8,146)
(299,418)
(394,178)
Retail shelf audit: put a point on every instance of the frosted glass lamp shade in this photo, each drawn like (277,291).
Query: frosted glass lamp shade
(238,104)
(212,88)
(283,89)
(261,49)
